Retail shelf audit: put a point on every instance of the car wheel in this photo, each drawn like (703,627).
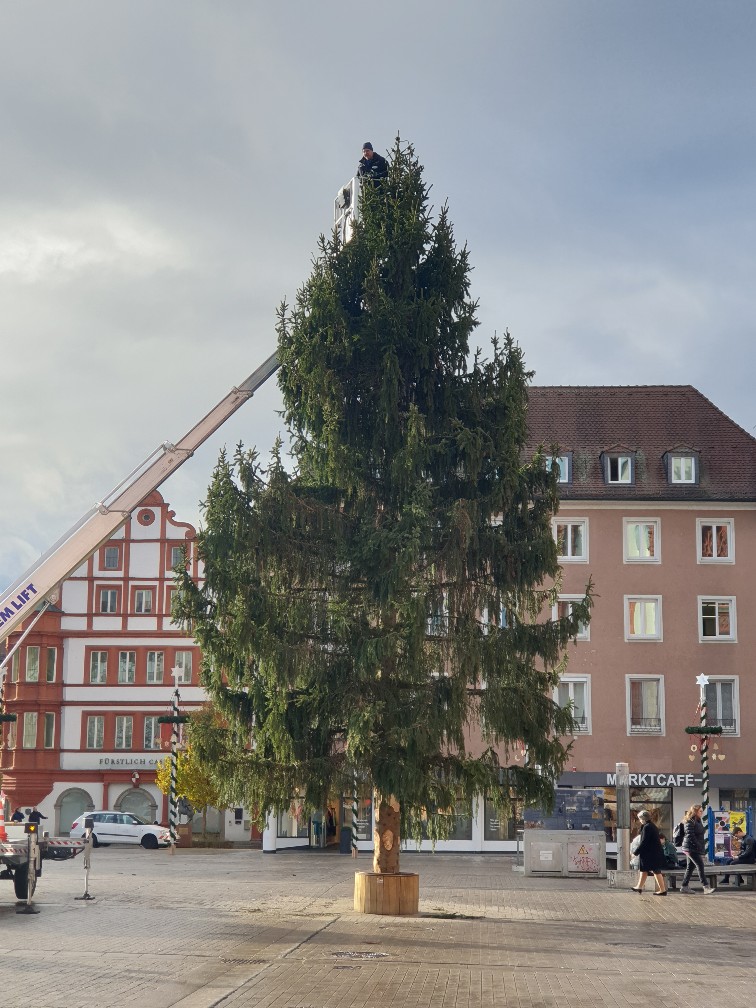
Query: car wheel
(95,841)
(21,881)
(149,841)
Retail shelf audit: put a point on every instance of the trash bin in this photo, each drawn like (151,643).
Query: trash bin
(345,840)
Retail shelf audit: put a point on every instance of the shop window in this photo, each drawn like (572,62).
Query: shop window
(293,823)
(497,826)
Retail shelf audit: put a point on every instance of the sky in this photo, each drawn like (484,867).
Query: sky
(167,168)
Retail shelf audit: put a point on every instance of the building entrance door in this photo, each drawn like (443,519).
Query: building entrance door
(72,804)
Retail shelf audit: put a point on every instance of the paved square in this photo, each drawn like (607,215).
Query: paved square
(238,928)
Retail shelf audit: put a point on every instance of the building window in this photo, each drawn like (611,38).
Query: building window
(642,540)
(618,468)
(562,465)
(143,600)
(49,742)
(15,665)
(124,727)
(151,733)
(572,540)
(98,667)
(126,666)
(111,558)
(645,705)
(716,619)
(682,469)
(437,623)
(95,731)
(722,705)
(32,663)
(154,667)
(575,693)
(11,736)
(29,735)
(643,617)
(108,600)
(52,660)
(563,608)
(177,557)
(716,541)
(183,662)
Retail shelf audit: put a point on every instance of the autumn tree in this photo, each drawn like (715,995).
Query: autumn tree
(375,605)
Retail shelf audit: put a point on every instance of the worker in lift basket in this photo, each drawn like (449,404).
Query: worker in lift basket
(372,166)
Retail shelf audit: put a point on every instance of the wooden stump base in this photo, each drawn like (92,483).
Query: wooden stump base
(393,895)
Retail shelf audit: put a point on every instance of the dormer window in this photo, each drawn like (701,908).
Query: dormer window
(619,468)
(682,468)
(562,464)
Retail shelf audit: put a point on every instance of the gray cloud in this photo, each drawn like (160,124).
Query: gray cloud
(167,168)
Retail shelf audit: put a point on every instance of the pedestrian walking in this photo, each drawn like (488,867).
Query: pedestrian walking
(650,855)
(694,846)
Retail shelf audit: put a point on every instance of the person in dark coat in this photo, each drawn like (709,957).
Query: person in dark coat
(35,816)
(371,165)
(746,853)
(18,816)
(694,845)
(650,855)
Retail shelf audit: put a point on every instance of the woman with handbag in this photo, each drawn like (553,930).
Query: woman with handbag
(650,855)
(694,845)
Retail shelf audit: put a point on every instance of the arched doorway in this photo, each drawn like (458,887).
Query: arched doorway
(69,806)
(139,802)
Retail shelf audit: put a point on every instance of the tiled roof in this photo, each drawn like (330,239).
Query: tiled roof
(649,421)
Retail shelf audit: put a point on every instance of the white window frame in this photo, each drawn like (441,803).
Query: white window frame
(627,524)
(181,553)
(567,558)
(618,459)
(585,632)
(718,638)
(571,680)
(694,469)
(95,731)
(563,461)
(182,664)
(143,601)
(108,554)
(713,719)
(98,668)
(48,734)
(155,667)
(124,731)
(31,671)
(126,667)
(629,679)
(51,664)
(29,730)
(151,732)
(657,635)
(108,601)
(701,524)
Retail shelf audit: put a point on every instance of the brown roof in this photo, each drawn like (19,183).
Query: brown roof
(648,421)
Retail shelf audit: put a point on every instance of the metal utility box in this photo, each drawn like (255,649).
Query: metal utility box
(565,853)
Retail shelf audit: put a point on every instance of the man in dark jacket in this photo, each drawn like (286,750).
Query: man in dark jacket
(35,816)
(746,854)
(372,166)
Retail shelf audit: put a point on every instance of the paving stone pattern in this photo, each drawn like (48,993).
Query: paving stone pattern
(242,928)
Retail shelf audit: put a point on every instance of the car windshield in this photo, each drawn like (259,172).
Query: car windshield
(136,818)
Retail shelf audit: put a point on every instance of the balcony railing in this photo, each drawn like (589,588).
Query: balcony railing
(646,726)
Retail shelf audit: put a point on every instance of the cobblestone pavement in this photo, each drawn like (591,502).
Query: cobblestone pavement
(242,928)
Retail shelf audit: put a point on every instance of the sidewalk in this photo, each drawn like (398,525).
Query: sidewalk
(242,928)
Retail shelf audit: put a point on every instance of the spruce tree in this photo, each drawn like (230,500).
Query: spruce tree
(375,605)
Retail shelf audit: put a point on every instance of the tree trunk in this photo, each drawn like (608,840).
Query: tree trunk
(386,838)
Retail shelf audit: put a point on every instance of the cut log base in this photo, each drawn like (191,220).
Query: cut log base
(395,895)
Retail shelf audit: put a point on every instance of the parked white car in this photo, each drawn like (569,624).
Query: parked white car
(121,827)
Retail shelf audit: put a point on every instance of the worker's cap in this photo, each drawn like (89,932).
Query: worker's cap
(367,145)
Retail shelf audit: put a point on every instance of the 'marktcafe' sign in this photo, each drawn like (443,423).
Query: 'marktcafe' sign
(656,780)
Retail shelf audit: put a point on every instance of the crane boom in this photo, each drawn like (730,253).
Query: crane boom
(41,581)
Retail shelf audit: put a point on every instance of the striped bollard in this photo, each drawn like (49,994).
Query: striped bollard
(354,819)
